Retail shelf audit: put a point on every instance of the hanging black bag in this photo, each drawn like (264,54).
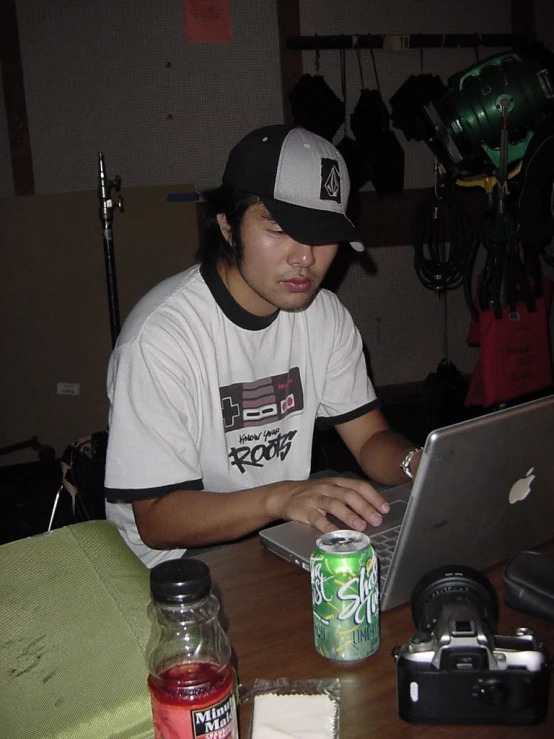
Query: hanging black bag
(378,144)
(370,118)
(316,107)
(83,464)
(358,161)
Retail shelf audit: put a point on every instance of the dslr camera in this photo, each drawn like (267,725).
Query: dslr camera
(456,669)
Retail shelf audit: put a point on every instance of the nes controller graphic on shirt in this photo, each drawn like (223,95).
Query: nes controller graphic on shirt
(246,404)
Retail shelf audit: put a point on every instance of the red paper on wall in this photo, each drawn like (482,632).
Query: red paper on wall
(207,21)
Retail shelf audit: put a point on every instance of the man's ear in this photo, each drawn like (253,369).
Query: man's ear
(225,229)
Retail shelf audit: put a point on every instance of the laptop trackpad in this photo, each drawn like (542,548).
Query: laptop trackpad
(392,519)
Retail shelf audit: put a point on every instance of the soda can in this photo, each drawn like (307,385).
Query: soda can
(345,596)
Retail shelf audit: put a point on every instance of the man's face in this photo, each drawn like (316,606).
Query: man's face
(275,271)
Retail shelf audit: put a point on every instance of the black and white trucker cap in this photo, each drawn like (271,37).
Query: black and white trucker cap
(301,179)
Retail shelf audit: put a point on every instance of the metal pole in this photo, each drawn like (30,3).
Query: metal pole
(107,204)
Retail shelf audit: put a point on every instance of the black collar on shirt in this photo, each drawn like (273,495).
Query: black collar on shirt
(234,312)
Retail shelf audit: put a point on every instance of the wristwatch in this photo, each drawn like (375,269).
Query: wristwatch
(405,464)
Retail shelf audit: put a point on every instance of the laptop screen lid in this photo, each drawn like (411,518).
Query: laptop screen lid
(484,489)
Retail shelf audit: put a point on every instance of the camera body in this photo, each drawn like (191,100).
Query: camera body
(456,669)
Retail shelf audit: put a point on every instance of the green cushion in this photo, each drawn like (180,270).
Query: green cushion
(73,632)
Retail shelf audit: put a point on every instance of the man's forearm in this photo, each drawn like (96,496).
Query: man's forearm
(382,454)
(195,518)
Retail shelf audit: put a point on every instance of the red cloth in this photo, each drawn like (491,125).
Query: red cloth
(473,333)
(515,357)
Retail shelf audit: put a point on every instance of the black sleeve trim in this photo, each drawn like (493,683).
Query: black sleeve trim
(128,495)
(326,423)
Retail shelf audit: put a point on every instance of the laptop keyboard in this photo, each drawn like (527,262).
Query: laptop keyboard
(384,544)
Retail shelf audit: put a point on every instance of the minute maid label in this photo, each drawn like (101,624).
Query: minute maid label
(215,722)
(212,721)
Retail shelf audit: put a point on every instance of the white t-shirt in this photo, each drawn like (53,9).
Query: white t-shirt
(205,395)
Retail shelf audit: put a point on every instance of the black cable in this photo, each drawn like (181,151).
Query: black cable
(441,236)
(343,86)
(547,250)
(360,68)
(480,237)
(505,277)
(547,253)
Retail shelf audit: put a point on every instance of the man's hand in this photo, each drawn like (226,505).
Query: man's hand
(352,501)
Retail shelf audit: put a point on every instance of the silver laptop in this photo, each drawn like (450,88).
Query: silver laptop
(484,490)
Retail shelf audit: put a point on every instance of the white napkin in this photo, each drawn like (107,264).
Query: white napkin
(294,717)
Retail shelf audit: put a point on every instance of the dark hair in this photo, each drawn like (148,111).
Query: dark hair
(233,204)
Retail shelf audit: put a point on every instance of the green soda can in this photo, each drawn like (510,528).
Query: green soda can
(345,596)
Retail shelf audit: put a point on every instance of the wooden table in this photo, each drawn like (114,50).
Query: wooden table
(266,610)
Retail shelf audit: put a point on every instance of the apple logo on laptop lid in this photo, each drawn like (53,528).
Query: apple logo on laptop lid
(522,487)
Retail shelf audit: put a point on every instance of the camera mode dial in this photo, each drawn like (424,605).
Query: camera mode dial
(420,642)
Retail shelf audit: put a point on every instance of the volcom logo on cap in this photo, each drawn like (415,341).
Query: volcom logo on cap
(330,180)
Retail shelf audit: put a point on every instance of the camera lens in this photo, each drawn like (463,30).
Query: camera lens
(453,584)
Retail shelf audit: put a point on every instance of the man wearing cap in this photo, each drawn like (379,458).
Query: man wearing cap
(220,372)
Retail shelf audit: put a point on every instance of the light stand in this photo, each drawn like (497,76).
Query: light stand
(107,204)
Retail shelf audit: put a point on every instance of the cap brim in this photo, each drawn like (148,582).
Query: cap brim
(311,226)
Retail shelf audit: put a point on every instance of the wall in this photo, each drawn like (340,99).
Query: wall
(54,318)
(401,321)
(407,328)
(119,78)
(544,22)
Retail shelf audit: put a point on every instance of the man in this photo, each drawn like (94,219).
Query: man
(220,372)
